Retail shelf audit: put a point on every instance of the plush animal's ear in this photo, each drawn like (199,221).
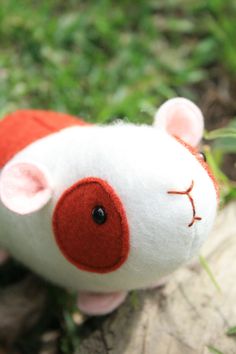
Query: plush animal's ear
(182,118)
(24,187)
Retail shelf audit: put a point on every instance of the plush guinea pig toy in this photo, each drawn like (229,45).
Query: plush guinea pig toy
(104,209)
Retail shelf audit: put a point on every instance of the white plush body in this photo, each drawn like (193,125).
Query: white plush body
(142,164)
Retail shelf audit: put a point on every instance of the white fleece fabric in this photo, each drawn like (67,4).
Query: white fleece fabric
(141,163)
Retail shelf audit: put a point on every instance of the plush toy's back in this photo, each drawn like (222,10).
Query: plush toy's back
(22,128)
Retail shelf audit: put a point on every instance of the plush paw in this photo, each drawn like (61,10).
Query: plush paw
(3,257)
(96,304)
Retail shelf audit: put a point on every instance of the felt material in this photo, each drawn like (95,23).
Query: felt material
(142,169)
(181,117)
(98,248)
(21,128)
(141,164)
(187,193)
(204,164)
(99,304)
(24,187)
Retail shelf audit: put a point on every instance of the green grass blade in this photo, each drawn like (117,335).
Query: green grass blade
(221,133)
(214,350)
(206,267)
(231,331)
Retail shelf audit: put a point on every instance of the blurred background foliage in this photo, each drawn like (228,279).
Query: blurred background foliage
(108,59)
(105,59)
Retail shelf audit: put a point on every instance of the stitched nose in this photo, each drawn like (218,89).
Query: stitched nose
(188,194)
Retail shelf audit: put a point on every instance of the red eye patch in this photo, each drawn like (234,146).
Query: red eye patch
(195,153)
(90,226)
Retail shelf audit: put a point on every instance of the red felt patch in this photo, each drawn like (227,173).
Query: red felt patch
(99,248)
(23,127)
(202,162)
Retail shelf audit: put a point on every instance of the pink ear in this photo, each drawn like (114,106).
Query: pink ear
(182,118)
(24,187)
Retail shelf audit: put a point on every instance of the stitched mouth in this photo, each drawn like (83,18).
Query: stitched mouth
(188,194)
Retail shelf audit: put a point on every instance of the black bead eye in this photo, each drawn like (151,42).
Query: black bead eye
(99,215)
(203,156)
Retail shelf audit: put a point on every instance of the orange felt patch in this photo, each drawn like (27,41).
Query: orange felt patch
(23,127)
(195,153)
(99,248)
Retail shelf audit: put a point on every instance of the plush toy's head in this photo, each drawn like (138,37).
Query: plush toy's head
(113,207)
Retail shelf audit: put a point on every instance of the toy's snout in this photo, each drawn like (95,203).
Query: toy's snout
(187,193)
(90,226)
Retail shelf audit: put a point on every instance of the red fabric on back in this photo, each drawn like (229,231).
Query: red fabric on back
(87,245)
(23,127)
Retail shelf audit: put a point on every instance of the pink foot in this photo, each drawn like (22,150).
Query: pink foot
(96,304)
(3,257)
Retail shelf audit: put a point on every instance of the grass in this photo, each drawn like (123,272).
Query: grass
(213,350)
(106,59)
(90,59)
(207,269)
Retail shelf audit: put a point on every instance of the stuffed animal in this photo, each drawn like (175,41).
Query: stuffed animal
(104,209)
